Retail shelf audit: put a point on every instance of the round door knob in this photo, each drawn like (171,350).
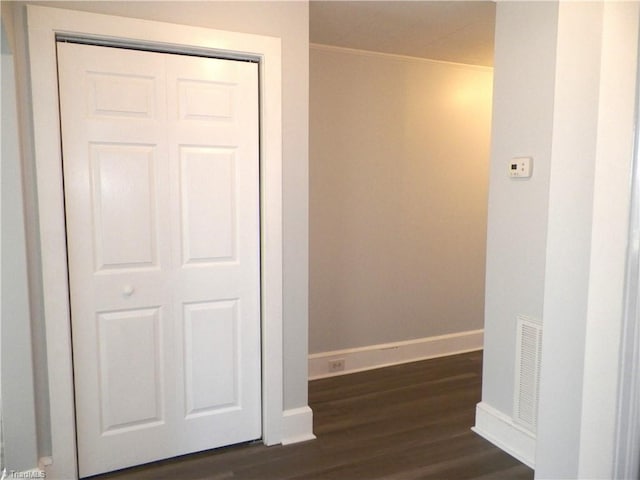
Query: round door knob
(127,290)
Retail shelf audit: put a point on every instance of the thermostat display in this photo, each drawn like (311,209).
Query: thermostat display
(520,167)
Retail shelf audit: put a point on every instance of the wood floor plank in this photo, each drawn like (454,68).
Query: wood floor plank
(403,422)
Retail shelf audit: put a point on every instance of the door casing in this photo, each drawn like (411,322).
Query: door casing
(44,25)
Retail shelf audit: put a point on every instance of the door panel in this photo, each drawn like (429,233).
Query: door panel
(161,174)
(123,190)
(130,384)
(205,100)
(125,94)
(211,375)
(208,204)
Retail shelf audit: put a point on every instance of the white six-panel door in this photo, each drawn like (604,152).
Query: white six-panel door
(161,180)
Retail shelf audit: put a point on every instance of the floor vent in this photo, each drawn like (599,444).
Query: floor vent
(528,349)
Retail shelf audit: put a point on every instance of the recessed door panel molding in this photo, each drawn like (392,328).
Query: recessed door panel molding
(131,383)
(211,374)
(124,191)
(208,198)
(206,101)
(164,251)
(118,95)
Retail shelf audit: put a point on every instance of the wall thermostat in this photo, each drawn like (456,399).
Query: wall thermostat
(520,167)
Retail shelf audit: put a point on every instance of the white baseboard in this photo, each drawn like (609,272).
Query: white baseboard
(297,425)
(501,430)
(386,354)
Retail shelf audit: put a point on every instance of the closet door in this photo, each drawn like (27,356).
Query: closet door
(161,179)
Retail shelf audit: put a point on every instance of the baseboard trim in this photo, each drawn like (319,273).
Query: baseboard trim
(501,430)
(387,354)
(297,425)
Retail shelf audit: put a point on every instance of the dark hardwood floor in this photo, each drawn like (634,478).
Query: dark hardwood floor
(403,422)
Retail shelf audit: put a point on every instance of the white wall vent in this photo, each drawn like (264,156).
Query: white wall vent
(528,353)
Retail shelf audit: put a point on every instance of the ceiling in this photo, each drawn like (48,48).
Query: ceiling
(453,31)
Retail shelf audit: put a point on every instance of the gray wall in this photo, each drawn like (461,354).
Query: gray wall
(18,409)
(289,21)
(518,209)
(399,152)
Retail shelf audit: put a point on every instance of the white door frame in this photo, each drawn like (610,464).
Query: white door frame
(627,441)
(44,24)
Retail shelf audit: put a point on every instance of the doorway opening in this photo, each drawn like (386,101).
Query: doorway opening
(399,165)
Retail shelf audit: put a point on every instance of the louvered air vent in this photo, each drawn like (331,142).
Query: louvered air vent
(528,349)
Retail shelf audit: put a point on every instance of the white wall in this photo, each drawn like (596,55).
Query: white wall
(398,190)
(587,238)
(289,21)
(564,93)
(569,237)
